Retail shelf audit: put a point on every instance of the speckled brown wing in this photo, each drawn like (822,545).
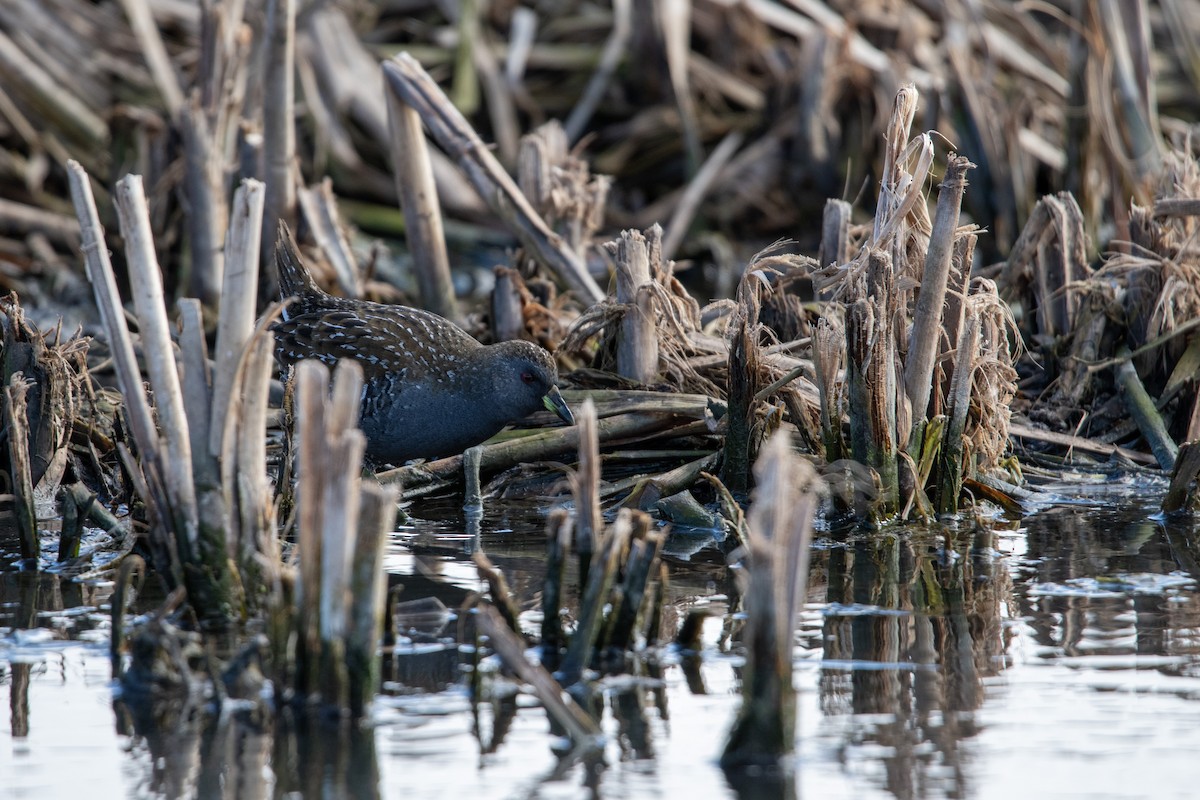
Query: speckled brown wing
(405,342)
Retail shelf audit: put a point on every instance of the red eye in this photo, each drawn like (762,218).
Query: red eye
(527,377)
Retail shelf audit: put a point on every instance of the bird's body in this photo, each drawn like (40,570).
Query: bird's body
(430,389)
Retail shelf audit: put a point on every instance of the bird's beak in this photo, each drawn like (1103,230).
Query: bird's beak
(553,401)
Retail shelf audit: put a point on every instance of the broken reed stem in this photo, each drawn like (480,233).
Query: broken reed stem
(835,234)
(319,207)
(368,593)
(828,355)
(502,597)
(871,378)
(741,389)
(1181,494)
(193,352)
(308,384)
(244,476)
(589,525)
(1140,406)
(17,420)
(956,302)
(239,289)
(474,493)
(112,315)
(928,322)
(600,580)
(637,338)
(207,213)
(640,564)
(413,169)
(580,727)
(213,590)
(780,532)
(957,405)
(341,476)
(901,192)
(279,125)
(408,79)
(330,499)
(145,279)
(508,311)
(558,548)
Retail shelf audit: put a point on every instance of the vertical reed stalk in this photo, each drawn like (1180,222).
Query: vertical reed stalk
(239,286)
(405,76)
(589,525)
(871,378)
(413,169)
(279,127)
(368,592)
(207,213)
(341,526)
(637,339)
(835,235)
(17,421)
(508,307)
(780,532)
(596,592)
(927,326)
(150,303)
(558,547)
(640,565)
(828,355)
(957,406)
(741,390)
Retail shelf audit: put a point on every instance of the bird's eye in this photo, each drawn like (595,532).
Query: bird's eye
(527,376)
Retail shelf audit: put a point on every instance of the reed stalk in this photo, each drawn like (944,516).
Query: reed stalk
(741,388)
(16,415)
(405,76)
(558,548)
(239,286)
(580,727)
(1141,407)
(637,338)
(773,584)
(339,603)
(640,565)
(279,127)
(589,525)
(871,378)
(950,473)
(601,577)
(928,322)
(415,186)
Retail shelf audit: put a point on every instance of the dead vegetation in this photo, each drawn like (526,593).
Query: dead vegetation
(808,288)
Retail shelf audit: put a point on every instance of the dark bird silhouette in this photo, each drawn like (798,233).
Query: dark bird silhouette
(430,388)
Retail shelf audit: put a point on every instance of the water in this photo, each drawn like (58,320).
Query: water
(1055,656)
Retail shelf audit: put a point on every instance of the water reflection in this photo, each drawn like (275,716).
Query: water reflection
(945,662)
(912,628)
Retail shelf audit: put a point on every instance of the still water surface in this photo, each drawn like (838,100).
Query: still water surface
(1055,656)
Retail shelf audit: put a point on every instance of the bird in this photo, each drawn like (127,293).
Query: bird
(430,389)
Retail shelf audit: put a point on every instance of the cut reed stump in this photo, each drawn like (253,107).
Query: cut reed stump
(773,584)
(871,378)
(342,525)
(928,321)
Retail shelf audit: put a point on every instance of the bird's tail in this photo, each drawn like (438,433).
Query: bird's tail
(294,277)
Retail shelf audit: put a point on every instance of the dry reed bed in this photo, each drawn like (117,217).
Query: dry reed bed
(888,360)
